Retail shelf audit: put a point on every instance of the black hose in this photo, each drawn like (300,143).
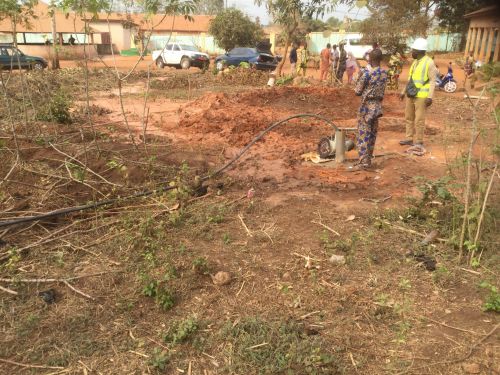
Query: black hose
(67,210)
(263,133)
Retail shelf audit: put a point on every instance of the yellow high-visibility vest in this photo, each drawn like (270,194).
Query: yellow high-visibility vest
(419,72)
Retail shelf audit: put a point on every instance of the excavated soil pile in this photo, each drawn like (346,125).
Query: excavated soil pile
(239,118)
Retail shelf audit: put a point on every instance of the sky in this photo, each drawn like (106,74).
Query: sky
(248,7)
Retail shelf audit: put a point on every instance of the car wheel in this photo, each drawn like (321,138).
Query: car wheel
(185,63)
(159,63)
(219,65)
(38,66)
(450,87)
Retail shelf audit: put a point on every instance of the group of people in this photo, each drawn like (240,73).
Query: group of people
(337,61)
(334,60)
(418,93)
(370,86)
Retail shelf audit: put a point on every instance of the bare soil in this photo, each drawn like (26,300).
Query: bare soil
(272,221)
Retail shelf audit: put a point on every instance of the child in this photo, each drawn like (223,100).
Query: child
(371,87)
(351,65)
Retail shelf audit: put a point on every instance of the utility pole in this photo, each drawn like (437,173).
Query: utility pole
(55,56)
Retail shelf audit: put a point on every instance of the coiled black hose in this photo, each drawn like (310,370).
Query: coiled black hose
(106,202)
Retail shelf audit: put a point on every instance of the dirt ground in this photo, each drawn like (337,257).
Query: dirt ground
(137,290)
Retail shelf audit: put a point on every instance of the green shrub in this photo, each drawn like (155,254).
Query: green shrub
(56,109)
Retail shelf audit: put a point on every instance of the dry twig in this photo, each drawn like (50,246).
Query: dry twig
(245,226)
(10,291)
(30,366)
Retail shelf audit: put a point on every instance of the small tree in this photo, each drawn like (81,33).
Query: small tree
(287,14)
(19,12)
(232,28)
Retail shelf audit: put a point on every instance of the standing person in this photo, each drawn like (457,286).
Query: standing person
(71,40)
(293,59)
(324,63)
(303,56)
(335,60)
(371,87)
(469,70)
(351,66)
(366,56)
(419,92)
(342,62)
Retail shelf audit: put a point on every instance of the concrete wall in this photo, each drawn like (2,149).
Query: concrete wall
(120,37)
(437,42)
(65,52)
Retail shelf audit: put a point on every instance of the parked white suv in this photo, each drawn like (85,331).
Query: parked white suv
(181,56)
(354,45)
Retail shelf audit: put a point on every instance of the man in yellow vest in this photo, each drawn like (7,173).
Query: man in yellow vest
(418,92)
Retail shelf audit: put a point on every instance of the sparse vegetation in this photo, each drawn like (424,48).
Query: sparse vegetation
(134,282)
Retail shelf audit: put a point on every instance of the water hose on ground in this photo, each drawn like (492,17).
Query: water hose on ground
(106,202)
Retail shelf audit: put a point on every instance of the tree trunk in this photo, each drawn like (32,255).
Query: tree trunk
(283,60)
(55,56)
(14,30)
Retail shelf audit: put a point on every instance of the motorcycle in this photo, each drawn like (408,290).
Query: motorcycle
(446,82)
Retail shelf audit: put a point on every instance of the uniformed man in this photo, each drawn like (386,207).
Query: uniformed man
(419,92)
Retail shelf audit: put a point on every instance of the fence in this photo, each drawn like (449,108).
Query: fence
(437,42)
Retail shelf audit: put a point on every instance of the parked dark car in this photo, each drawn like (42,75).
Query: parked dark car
(12,58)
(257,59)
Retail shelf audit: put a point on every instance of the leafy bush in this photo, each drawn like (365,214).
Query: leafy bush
(275,347)
(492,303)
(489,71)
(182,330)
(57,109)
(232,28)
(163,297)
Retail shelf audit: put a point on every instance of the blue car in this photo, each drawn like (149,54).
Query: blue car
(12,58)
(256,59)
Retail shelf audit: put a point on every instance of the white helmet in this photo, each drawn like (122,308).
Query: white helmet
(420,44)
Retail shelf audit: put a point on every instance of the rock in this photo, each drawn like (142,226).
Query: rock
(48,296)
(337,259)
(429,238)
(471,368)
(221,278)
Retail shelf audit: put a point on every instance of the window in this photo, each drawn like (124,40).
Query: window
(37,38)
(3,51)
(176,48)
(169,47)
(241,51)
(187,47)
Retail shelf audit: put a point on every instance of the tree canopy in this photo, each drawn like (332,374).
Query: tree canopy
(231,28)
(211,7)
(19,12)
(450,13)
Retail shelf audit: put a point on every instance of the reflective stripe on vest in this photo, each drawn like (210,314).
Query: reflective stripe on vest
(419,72)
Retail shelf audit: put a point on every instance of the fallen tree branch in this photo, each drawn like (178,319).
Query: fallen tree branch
(13,280)
(461,359)
(245,226)
(77,291)
(448,326)
(83,165)
(326,227)
(320,222)
(10,291)
(30,366)
(411,231)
